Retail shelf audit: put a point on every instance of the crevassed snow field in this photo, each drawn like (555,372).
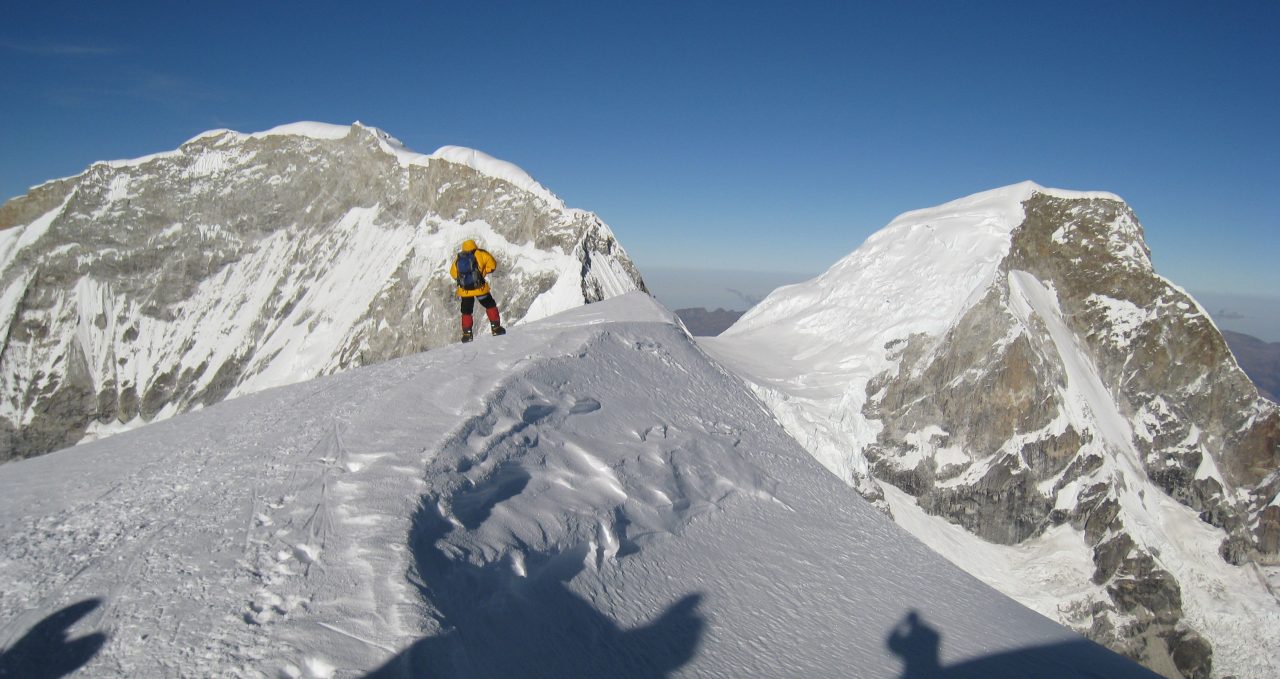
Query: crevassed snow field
(587,496)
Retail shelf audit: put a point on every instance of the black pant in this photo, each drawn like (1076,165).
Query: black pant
(469,303)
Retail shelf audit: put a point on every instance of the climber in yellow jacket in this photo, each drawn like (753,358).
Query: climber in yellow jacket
(469,268)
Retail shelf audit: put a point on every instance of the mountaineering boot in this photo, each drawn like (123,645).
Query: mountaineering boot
(466,327)
(495,321)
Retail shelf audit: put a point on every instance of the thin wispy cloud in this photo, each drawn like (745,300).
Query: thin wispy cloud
(747,299)
(170,91)
(57,49)
(164,88)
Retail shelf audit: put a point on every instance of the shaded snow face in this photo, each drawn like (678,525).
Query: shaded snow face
(521,506)
(1032,372)
(145,288)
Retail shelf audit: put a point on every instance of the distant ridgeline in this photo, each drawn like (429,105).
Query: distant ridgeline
(144,288)
(706,323)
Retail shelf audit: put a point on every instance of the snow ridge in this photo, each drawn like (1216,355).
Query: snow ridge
(591,496)
(477,160)
(486,164)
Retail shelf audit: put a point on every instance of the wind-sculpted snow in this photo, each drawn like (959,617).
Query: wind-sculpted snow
(145,288)
(588,495)
(1010,363)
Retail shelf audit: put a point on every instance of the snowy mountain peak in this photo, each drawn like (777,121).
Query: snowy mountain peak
(305,128)
(1011,363)
(310,248)
(477,160)
(1000,207)
(314,130)
(931,263)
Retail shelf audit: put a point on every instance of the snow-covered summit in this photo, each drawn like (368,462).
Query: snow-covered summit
(477,160)
(1011,363)
(312,129)
(586,496)
(305,128)
(1011,197)
(929,262)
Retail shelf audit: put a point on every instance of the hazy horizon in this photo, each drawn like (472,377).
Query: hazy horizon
(738,290)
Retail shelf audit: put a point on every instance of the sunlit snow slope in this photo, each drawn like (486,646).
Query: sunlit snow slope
(588,496)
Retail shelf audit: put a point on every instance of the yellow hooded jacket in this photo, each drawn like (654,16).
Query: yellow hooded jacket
(484,260)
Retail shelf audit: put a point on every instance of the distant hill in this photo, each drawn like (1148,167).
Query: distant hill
(705,323)
(1260,361)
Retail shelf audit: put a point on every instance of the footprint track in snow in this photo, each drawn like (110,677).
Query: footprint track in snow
(288,532)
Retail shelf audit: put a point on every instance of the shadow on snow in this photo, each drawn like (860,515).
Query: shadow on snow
(499,624)
(918,644)
(47,651)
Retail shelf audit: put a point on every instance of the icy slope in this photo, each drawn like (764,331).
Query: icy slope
(145,288)
(1013,365)
(587,496)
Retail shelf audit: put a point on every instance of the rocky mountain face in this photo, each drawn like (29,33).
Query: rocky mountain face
(1164,401)
(1073,386)
(145,288)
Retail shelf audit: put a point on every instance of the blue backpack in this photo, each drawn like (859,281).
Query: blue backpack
(469,276)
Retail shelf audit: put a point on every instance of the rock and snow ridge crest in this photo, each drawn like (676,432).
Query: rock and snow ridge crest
(957,245)
(473,158)
(477,160)
(1004,203)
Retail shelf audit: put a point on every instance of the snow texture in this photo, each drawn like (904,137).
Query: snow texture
(587,496)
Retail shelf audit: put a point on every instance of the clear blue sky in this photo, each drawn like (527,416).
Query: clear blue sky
(729,135)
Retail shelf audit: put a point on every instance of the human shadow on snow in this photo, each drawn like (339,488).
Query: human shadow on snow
(496,623)
(918,644)
(46,651)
